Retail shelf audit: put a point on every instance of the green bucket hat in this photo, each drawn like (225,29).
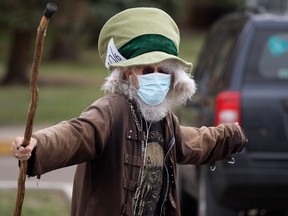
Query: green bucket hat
(140,36)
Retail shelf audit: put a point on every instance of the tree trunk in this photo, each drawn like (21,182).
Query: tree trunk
(64,47)
(19,58)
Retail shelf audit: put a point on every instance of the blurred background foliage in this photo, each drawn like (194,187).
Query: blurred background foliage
(76,19)
(71,72)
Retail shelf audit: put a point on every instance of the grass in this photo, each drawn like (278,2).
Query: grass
(36,202)
(66,88)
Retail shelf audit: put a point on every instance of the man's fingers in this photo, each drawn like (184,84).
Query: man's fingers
(20,152)
(22,157)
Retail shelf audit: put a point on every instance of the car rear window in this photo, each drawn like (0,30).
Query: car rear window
(268,58)
(213,70)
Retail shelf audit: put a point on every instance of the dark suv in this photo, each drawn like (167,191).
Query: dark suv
(242,76)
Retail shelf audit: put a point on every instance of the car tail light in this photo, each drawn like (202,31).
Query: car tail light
(227,107)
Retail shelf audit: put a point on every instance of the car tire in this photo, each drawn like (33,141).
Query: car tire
(188,204)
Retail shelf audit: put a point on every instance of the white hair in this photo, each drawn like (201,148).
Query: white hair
(183,88)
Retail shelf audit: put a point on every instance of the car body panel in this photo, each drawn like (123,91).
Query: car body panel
(248,53)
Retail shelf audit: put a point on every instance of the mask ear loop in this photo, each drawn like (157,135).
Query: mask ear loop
(131,82)
(131,85)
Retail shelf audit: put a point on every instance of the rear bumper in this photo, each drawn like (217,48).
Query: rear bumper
(246,188)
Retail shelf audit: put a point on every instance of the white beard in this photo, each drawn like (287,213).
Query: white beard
(153,112)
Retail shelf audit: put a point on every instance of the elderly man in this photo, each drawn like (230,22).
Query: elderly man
(127,144)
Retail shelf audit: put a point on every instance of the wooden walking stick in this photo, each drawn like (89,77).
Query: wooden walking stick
(48,13)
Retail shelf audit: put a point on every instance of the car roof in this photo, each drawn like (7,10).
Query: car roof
(258,17)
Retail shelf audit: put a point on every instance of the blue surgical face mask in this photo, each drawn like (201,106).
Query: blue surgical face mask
(153,87)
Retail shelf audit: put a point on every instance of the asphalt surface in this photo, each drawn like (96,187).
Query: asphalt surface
(61,179)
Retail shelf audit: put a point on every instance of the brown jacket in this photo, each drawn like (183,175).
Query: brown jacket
(104,142)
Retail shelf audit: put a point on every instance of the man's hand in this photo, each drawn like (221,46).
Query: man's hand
(20,152)
(240,140)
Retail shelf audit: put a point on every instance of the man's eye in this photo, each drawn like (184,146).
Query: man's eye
(162,71)
(147,70)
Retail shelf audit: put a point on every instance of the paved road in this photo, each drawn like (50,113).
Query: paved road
(9,172)
(8,133)
(61,179)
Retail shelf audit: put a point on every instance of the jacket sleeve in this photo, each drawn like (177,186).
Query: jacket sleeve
(208,144)
(72,142)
